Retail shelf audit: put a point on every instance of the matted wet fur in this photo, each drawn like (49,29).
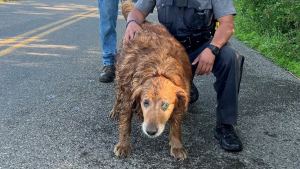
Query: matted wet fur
(153,76)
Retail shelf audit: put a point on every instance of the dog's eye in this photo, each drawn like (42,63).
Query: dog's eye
(146,103)
(165,106)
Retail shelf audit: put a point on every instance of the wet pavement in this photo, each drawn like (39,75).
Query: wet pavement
(54,112)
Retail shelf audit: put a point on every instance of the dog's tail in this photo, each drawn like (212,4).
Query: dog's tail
(127,6)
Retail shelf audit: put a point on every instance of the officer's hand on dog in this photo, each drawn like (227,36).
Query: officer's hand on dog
(131,29)
(206,61)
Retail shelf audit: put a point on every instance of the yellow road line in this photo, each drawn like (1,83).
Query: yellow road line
(23,43)
(13,39)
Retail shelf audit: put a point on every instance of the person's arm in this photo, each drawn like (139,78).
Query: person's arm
(224,31)
(132,26)
(138,15)
(206,58)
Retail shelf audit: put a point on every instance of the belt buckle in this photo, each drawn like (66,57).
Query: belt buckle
(189,42)
(186,42)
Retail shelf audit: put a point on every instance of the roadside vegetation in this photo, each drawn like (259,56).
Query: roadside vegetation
(6,0)
(272,27)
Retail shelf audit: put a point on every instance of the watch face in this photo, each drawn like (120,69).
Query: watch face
(215,50)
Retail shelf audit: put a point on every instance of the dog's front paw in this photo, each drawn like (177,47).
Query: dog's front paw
(179,153)
(113,114)
(122,150)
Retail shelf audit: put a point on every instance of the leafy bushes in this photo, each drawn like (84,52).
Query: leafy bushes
(273,28)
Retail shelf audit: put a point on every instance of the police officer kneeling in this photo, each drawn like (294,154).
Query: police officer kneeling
(192,23)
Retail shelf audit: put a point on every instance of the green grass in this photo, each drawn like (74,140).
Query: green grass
(6,0)
(268,38)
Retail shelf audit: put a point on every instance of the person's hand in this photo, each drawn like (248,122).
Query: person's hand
(132,27)
(206,61)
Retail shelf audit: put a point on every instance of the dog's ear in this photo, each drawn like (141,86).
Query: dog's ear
(136,93)
(135,103)
(182,100)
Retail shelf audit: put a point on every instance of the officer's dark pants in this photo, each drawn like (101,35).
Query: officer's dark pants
(227,69)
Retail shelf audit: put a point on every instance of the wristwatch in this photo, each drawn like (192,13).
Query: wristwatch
(215,50)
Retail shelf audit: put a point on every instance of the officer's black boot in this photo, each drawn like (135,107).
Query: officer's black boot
(227,137)
(194,94)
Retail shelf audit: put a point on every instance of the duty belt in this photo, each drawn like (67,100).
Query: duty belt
(193,42)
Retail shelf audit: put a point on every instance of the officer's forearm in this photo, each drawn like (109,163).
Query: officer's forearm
(138,15)
(224,32)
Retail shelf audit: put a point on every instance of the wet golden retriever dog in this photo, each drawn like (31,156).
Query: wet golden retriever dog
(153,77)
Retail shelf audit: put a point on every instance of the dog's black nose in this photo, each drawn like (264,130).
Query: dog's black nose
(151,130)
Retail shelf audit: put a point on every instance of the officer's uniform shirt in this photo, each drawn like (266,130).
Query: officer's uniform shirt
(179,19)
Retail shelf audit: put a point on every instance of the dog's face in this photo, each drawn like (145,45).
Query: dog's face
(158,98)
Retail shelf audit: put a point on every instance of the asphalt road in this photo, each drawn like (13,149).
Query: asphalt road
(54,112)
